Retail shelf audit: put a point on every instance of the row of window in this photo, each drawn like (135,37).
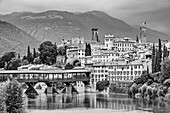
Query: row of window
(100,71)
(126,67)
(98,76)
(123,44)
(116,78)
(124,48)
(124,72)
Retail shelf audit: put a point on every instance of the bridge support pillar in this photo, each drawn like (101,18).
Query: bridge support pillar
(69,89)
(30,90)
(50,88)
(86,85)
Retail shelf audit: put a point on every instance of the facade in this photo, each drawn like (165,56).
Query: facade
(118,43)
(121,72)
(123,45)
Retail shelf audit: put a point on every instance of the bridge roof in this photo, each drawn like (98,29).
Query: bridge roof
(43,71)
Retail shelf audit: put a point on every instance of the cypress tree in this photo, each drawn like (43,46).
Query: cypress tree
(156,60)
(153,59)
(164,52)
(147,70)
(89,46)
(19,56)
(34,53)
(28,52)
(159,57)
(86,50)
(137,39)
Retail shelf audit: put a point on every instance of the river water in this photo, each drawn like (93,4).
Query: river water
(91,103)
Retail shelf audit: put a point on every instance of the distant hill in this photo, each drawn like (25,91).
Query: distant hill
(15,39)
(55,25)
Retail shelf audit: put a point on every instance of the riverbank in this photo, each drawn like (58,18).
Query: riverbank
(78,110)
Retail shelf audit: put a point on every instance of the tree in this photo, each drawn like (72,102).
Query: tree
(37,61)
(14,99)
(159,57)
(69,66)
(19,56)
(143,78)
(2,98)
(153,59)
(48,53)
(8,56)
(62,50)
(25,62)
(13,64)
(165,70)
(137,39)
(76,63)
(29,56)
(2,63)
(101,85)
(165,52)
(24,58)
(34,53)
(88,50)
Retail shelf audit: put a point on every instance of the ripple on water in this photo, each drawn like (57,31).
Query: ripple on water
(83,110)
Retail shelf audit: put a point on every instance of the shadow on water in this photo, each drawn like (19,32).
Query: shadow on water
(94,101)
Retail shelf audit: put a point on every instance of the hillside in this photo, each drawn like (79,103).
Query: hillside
(55,25)
(15,39)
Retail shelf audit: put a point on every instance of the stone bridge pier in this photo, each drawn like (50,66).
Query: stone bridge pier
(51,89)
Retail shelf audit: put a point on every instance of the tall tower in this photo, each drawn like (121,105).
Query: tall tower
(143,38)
(95,35)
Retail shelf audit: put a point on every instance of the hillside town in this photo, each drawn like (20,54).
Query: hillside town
(119,60)
(111,64)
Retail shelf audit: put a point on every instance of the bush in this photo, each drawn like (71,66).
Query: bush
(2,98)
(14,99)
(101,85)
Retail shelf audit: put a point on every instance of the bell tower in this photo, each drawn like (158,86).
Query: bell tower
(95,35)
(143,38)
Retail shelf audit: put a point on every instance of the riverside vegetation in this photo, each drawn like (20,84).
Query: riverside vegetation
(153,86)
(11,99)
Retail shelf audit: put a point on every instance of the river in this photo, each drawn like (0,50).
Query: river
(91,103)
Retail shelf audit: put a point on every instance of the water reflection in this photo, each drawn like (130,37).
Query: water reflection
(103,101)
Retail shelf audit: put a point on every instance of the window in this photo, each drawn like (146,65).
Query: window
(135,66)
(127,72)
(138,66)
(131,72)
(135,72)
(139,72)
(107,40)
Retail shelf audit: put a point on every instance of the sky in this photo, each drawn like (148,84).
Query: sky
(156,13)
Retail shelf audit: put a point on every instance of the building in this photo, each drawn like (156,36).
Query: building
(123,45)
(118,43)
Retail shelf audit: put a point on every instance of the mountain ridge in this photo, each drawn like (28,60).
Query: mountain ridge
(15,39)
(55,25)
